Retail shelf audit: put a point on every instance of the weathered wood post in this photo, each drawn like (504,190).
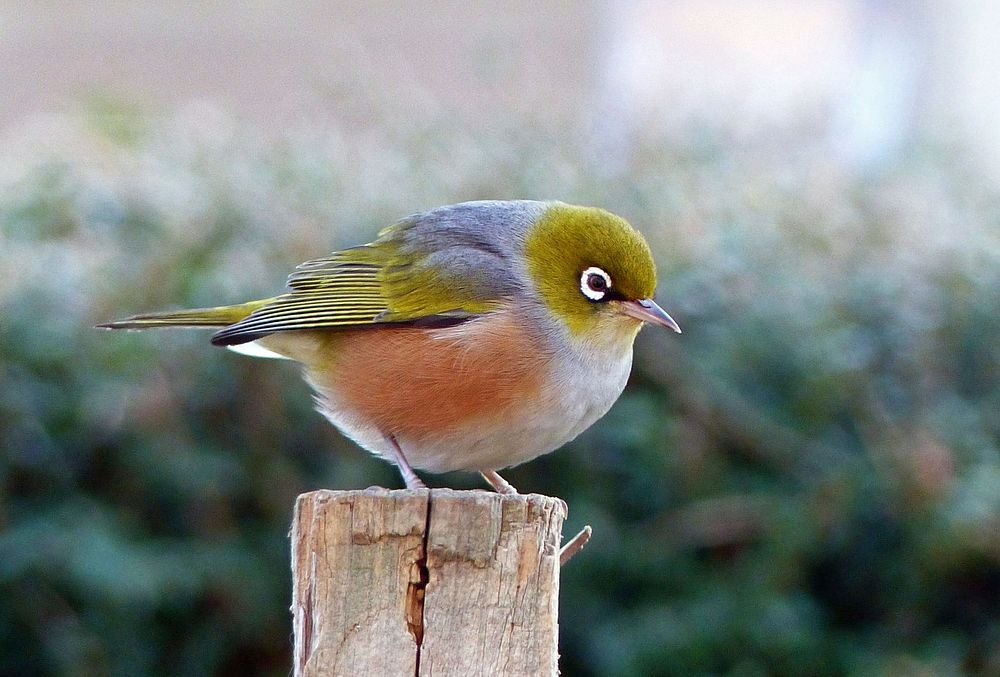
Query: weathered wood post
(428,582)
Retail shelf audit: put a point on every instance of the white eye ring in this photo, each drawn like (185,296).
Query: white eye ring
(585,283)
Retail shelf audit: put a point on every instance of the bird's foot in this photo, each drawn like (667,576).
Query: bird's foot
(499,484)
(405,469)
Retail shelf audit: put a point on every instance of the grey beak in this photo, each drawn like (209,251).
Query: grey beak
(647,311)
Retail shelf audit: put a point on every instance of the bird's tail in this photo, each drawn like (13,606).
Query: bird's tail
(220,316)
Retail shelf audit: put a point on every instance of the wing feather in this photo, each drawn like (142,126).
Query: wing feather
(335,291)
(443,265)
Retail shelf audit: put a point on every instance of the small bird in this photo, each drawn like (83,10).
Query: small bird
(475,336)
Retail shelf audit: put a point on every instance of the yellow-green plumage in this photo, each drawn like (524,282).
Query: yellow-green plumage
(513,321)
(420,269)
(382,282)
(568,239)
(220,316)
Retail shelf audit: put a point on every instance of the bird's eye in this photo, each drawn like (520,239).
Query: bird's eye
(594,283)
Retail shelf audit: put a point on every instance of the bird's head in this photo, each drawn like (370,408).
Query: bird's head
(593,272)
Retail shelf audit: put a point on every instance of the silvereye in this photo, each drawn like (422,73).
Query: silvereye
(475,336)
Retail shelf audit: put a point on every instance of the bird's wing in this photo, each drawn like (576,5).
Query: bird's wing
(394,279)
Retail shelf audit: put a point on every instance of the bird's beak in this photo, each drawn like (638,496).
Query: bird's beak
(646,310)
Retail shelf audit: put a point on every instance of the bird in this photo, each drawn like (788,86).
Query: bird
(475,336)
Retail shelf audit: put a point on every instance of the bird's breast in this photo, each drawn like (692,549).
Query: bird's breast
(488,393)
(417,382)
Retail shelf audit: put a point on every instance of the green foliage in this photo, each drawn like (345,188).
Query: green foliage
(807,481)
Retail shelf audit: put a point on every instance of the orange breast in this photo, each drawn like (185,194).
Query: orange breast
(414,382)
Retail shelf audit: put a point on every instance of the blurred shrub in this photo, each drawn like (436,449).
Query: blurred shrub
(806,482)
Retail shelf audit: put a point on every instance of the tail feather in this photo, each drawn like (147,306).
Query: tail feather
(220,316)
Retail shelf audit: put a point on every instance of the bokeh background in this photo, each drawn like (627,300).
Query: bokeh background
(806,482)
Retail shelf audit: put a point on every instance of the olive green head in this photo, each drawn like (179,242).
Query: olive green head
(593,271)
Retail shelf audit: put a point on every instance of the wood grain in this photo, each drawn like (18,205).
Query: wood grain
(429,582)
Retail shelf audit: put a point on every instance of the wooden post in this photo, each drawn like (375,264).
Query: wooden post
(429,582)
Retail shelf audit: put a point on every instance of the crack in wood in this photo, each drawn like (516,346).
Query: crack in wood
(307,622)
(362,565)
(416,590)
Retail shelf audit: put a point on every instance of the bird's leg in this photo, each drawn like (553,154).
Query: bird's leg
(410,477)
(499,484)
